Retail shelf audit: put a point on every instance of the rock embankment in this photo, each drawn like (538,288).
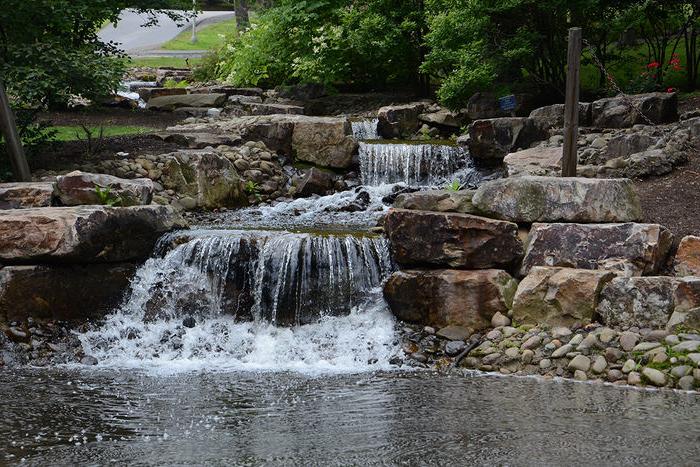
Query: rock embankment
(549,276)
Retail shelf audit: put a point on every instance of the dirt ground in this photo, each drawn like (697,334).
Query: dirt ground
(673,200)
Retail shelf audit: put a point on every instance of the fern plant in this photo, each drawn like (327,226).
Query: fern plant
(106,197)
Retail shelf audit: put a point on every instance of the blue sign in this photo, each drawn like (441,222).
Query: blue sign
(507,103)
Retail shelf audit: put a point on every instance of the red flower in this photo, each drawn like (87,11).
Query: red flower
(670,90)
(653,65)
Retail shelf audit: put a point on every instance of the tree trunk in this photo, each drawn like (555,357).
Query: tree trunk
(242,19)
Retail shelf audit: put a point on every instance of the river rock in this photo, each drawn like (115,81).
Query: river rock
(631,248)
(553,115)
(554,199)
(170,103)
(559,296)
(637,301)
(687,261)
(540,160)
(655,377)
(77,188)
(399,121)
(22,195)
(437,200)
(454,240)
(492,139)
(454,333)
(616,112)
(450,297)
(206,176)
(83,234)
(62,292)
(580,362)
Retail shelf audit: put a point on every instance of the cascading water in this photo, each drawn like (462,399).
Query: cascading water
(414,164)
(364,130)
(214,298)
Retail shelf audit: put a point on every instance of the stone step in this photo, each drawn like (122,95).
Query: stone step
(22,195)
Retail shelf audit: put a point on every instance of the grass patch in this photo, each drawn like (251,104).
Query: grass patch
(157,62)
(74,133)
(209,37)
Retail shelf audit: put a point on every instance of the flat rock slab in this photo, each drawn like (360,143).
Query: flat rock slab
(83,234)
(556,199)
(187,100)
(687,261)
(559,296)
(271,109)
(634,249)
(437,200)
(450,297)
(461,241)
(66,292)
(647,302)
(543,161)
(78,188)
(22,195)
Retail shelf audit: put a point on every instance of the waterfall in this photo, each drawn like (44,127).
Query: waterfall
(365,129)
(413,164)
(221,295)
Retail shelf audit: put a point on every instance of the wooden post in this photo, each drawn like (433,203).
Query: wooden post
(8,128)
(573,75)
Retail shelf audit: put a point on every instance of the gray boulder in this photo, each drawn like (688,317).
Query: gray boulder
(399,121)
(553,115)
(437,200)
(315,182)
(492,139)
(540,160)
(617,112)
(555,199)
(77,188)
(170,103)
(634,249)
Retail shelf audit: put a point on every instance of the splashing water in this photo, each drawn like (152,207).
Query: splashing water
(185,307)
(365,129)
(412,164)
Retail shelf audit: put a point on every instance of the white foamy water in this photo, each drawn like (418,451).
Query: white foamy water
(213,298)
(412,164)
(365,129)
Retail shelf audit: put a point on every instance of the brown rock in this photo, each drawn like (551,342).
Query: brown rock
(443,297)
(687,262)
(437,200)
(633,248)
(173,102)
(399,120)
(68,292)
(83,234)
(23,195)
(559,296)
(324,141)
(492,139)
(315,182)
(454,240)
(78,188)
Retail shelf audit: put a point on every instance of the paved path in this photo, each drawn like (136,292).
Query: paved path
(140,41)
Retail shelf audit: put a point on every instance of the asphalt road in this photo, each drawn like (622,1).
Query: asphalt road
(137,40)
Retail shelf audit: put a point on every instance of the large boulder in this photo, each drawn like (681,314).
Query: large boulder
(559,296)
(540,160)
(687,261)
(453,240)
(324,141)
(399,121)
(206,176)
(148,93)
(483,105)
(83,234)
(65,292)
(78,188)
(555,199)
(226,89)
(635,249)
(646,302)
(553,115)
(449,297)
(23,195)
(620,111)
(443,118)
(437,200)
(315,182)
(171,103)
(492,139)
